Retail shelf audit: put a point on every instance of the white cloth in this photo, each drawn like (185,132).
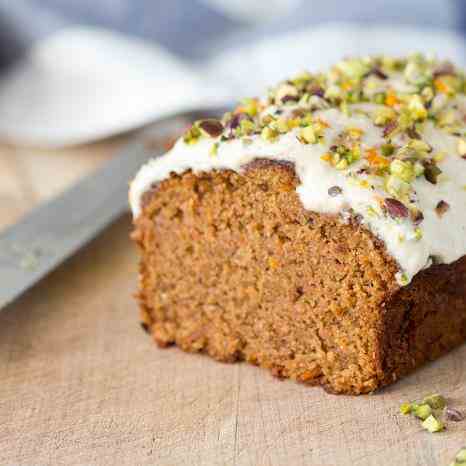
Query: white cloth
(83,84)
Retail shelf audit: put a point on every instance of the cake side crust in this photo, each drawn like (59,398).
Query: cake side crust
(424,320)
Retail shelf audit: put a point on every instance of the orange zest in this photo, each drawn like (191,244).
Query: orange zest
(376,160)
(391,99)
(440,86)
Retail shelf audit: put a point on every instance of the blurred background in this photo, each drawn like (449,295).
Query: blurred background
(74,71)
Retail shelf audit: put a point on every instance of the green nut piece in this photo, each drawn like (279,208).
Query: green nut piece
(285,91)
(301,79)
(246,127)
(192,135)
(432,424)
(395,186)
(342,164)
(462,147)
(419,146)
(281,125)
(402,278)
(418,234)
(214,149)
(333,92)
(416,107)
(308,135)
(418,169)
(269,134)
(416,71)
(387,149)
(403,170)
(353,68)
(405,408)
(435,401)
(423,411)
(460,457)
(383,115)
(379,98)
(250,106)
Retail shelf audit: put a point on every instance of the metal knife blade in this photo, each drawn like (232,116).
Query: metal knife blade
(55,230)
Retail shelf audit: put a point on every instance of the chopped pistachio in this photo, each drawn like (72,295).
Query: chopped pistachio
(372,212)
(418,234)
(342,164)
(292,123)
(308,135)
(435,401)
(387,149)
(462,147)
(423,411)
(427,94)
(416,73)
(247,141)
(405,119)
(460,457)
(418,169)
(246,127)
(431,172)
(405,408)
(355,133)
(284,92)
(417,216)
(344,108)
(417,108)
(250,106)
(192,135)
(210,127)
(419,146)
(302,79)
(396,186)
(402,278)
(214,149)
(383,115)
(432,424)
(334,191)
(353,68)
(281,125)
(379,98)
(440,156)
(441,208)
(452,414)
(403,170)
(334,93)
(269,134)
(395,208)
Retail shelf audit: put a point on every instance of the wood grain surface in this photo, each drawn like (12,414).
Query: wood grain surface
(82,384)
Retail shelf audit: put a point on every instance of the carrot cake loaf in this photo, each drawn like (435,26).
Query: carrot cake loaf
(319,231)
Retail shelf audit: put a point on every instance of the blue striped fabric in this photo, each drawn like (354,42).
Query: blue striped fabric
(188,27)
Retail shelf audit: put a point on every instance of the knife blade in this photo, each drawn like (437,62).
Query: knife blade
(55,230)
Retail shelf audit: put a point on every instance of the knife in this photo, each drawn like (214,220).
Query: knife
(56,229)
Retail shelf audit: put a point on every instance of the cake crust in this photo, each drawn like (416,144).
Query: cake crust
(233,266)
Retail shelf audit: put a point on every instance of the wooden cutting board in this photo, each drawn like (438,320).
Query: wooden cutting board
(82,384)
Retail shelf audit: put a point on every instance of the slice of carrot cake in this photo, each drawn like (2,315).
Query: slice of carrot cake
(320,231)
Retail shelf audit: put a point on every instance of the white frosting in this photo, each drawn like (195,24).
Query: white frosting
(443,236)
